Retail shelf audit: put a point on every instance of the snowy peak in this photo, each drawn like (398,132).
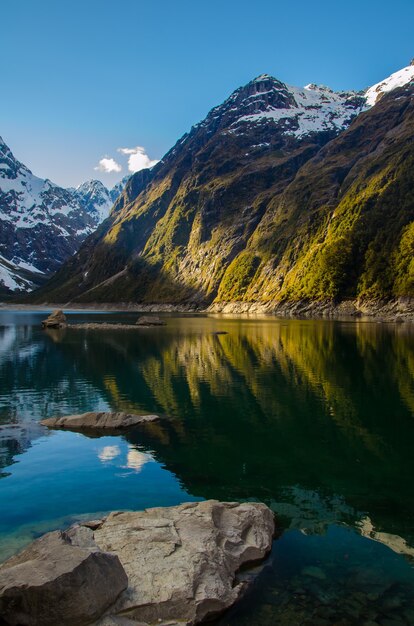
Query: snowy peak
(398,79)
(9,165)
(97,199)
(295,111)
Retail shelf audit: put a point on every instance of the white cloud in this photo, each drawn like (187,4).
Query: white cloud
(108,165)
(138,159)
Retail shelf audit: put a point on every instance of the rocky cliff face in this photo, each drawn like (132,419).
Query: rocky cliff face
(41,224)
(280,193)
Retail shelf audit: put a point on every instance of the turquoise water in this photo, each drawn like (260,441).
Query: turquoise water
(315,418)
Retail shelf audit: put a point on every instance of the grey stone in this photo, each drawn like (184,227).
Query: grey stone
(168,566)
(182,561)
(98,421)
(57,581)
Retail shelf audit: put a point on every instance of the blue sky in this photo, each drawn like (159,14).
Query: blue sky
(81,79)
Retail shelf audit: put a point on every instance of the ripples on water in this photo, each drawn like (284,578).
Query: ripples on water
(314,418)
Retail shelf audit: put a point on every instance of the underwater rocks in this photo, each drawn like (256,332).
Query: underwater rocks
(59,580)
(95,421)
(150,320)
(181,563)
(142,322)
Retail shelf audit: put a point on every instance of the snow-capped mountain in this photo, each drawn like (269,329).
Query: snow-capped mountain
(267,111)
(95,199)
(247,148)
(41,224)
(215,214)
(296,111)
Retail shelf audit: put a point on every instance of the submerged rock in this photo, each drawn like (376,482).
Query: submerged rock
(57,319)
(98,421)
(181,564)
(150,320)
(58,580)
(313,572)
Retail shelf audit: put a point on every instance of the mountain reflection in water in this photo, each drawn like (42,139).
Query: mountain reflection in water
(315,418)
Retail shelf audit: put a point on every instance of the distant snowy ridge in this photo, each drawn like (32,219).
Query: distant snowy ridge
(97,199)
(41,224)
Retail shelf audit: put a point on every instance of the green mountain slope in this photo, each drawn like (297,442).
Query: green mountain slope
(255,207)
(344,227)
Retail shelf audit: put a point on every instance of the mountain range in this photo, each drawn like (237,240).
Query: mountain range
(280,195)
(42,224)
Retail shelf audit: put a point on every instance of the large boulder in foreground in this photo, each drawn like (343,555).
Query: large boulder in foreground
(55,582)
(182,561)
(181,564)
(95,421)
(57,319)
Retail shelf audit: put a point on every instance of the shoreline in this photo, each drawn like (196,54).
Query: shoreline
(399,310)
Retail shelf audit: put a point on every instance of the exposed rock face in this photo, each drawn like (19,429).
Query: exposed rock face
(57,319)
(182,561)
(150,320)
(59,580)
(98,421)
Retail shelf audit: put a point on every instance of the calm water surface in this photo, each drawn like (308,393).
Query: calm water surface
(314,418)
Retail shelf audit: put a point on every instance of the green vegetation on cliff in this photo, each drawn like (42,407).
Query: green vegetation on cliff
(223,218)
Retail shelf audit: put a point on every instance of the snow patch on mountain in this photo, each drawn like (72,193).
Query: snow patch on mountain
(11,279)
(398,79)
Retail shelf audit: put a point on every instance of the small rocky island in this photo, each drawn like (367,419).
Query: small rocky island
(57,319)
(168,566)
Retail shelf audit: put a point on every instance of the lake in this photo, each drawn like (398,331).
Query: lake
(314,418)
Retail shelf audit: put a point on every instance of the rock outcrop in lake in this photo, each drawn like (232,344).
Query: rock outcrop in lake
(98,421)
(181,564)
(57,319)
